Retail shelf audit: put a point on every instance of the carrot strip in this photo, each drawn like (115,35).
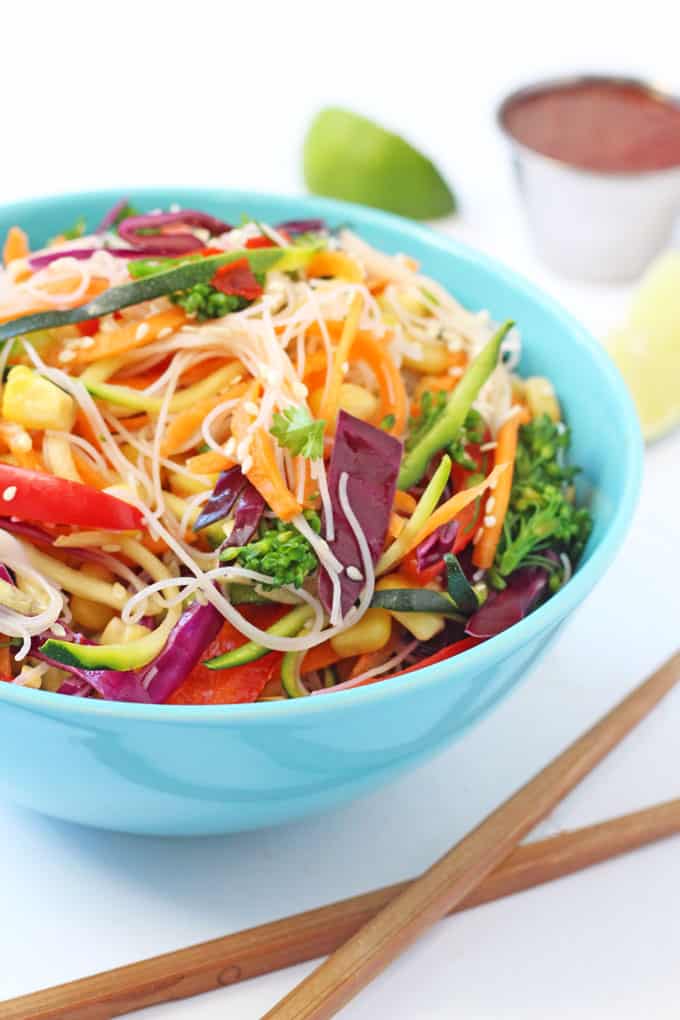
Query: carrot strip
(30,459)
(209,463)
(267,479)
(331,401)
(395,525)
(393,398)
(335,263)
(135,421)
(319,658)
(131,336)
(16,245)
(89,474)
(187,423)
(371,659)
(404,502)
(195,373)
(505,453)
(452,507)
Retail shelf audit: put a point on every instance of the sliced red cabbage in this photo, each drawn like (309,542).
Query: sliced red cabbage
(40,261)
(504,608)
(293,227)
(227,490)
(112,215)
(196,628)
(170,243)
(249,508)
(433,549)
(371,460)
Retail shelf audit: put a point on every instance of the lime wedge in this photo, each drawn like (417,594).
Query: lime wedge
(647,348)
(347,156)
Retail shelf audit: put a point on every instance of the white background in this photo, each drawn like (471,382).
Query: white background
(220,94)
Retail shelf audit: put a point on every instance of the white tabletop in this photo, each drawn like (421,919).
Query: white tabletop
(142,96)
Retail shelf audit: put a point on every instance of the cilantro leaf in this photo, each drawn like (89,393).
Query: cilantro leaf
(299,432)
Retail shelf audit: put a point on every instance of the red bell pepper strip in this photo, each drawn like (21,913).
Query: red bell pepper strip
(240,684)
(35,496)
(237,278)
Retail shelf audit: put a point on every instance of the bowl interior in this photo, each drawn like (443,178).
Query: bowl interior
(605,435)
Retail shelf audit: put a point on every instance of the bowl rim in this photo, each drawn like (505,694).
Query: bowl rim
(477,658)
(557,82)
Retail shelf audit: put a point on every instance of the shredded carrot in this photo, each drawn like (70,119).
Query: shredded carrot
(393,398)
(5,658)
(209,463)
(187,423)
(395,525)
(131,336)
(83,427)
(369,660)
(404,502)
(452,507)
(267,479)
(135,421)
(89,474)
(195,373)
(335,263)
(331,400)
(16,245)
(505,453)
(30,459)
(319,658)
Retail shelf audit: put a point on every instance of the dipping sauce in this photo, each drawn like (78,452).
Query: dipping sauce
(603,125)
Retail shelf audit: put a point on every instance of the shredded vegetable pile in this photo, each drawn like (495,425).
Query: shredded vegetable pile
(254,462)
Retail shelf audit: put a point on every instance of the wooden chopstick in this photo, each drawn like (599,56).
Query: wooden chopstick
(269,947)
(349,969)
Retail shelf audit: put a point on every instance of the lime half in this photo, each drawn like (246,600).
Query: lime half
(349,157)
(647,347)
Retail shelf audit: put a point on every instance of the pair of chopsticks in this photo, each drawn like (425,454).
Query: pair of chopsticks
(365,933)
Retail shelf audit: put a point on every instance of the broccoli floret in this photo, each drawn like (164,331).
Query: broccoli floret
(206,302)
(281,552)
(542,513)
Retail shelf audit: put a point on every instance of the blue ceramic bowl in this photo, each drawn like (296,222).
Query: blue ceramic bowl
(190,770)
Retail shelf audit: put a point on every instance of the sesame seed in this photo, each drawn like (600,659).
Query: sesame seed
(345,367)
(247,465)
(58,630)
(493,483)
(489,521)
(477,576)
(87,341)
(111,548)
(162,333)
(478,536)
(354,574)
(490,504)
(9,493)
(237,379)
(455,371)
(142,331)
(488,446)
(174,207)
(67,355)
(250,407)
